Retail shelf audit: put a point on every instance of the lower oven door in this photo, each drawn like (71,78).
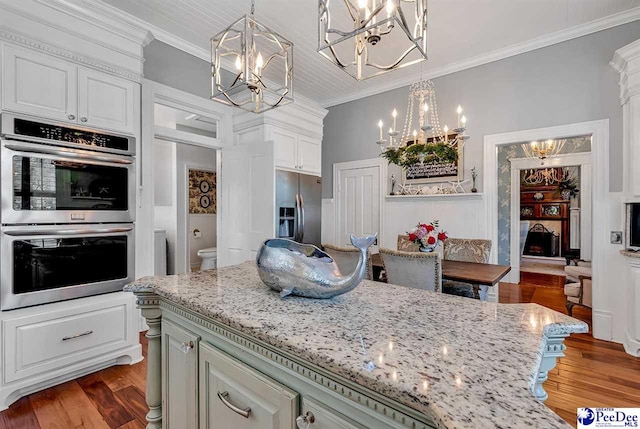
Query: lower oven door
(49,184)
(43,264)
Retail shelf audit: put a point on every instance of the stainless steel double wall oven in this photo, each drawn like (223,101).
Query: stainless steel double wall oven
(68,206)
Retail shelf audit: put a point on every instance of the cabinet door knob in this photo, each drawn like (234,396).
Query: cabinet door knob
(186,347)
(83,119)
(71,117)
(305,422)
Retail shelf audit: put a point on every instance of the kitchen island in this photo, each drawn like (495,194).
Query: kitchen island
(381,356)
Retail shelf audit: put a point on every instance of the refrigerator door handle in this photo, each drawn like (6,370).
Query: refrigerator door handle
(301,218)
(296,223)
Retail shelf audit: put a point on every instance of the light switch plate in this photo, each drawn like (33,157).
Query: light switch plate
(616,237)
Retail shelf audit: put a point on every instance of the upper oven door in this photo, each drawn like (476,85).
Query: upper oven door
(48,263)
(49,184)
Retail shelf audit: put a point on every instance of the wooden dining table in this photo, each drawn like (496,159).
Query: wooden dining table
(480,275)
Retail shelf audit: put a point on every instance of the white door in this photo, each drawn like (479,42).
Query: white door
(359,192)
(106,101)
(309,155)
(39,85)
(247,195)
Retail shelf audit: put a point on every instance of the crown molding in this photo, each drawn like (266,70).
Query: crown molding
(600,24)
(24,40)
(626,61)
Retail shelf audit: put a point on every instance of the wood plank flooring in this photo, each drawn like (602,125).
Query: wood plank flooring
(594,373)
(108,399)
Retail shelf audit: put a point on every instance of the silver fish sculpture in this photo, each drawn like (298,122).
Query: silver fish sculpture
(293,268)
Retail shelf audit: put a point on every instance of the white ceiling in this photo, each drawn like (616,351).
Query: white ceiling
(462,34)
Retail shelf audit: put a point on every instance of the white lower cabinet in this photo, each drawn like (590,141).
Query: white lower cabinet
(180,375)
(233,395)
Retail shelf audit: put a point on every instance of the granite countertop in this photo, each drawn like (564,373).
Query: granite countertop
(464,363)
(630,253)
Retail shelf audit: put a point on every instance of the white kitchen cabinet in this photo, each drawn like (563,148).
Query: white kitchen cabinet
(309,155)
(285,148)
(45,344)
(44,86)
(293,151)
(180,372)
(39,85)
(105,101)
(233,395)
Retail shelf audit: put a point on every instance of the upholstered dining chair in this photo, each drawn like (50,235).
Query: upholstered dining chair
(413,269)
(346,258)
(579,293)
(406,245)
(465,250)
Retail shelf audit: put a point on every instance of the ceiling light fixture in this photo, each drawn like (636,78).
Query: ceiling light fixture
(543,150)
(372,37)
(260,62)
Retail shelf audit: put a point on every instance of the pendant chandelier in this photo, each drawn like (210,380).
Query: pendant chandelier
(546,176)
(422,122)
(258,63)
(543,150)
(367,38)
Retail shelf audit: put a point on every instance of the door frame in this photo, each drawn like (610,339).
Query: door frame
(599,132)
(338,167)
(582,160)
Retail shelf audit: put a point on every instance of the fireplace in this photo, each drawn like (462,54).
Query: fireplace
(542,241)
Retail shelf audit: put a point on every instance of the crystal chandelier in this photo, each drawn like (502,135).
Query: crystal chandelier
(543,150)
(548,176)
(261,62)
(367,38)
(422,123)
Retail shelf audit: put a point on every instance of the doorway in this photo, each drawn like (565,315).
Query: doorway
(599,159)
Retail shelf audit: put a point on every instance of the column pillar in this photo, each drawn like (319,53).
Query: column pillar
(149,304)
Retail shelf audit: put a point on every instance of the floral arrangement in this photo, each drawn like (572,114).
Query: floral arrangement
(427,235)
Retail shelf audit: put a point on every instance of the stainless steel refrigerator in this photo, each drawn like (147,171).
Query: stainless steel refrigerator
(298,205)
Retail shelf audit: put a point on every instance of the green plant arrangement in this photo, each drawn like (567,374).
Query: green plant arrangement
(568,188)
(406,156)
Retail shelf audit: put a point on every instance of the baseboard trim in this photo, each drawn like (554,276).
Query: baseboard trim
(631,346)
(602,325)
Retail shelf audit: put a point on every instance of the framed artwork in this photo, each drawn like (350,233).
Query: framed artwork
(435,172)
(202,192)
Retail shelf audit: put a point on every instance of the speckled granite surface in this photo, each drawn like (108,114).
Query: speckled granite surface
(630,253)
(463,362)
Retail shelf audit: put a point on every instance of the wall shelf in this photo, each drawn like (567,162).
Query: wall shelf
(466,195)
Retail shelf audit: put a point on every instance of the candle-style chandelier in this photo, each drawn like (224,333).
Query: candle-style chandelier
(543,150)
(367,38)
(262,65)
(546,176)
(422,130)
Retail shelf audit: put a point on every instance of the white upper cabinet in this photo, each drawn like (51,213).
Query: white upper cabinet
(42,85)
(297,152)
(285,148)
(39,84)
(105,101)
(309,155)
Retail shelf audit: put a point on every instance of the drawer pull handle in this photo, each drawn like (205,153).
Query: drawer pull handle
(71,337)
(243,412)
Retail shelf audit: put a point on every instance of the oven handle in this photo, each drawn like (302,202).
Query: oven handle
(56,232)
(68,153)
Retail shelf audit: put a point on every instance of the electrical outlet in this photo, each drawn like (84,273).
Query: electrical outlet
(616,237)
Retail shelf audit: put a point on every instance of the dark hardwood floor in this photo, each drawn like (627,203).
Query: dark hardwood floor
(594,373)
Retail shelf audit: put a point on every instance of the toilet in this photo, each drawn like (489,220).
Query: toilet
(209,258)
